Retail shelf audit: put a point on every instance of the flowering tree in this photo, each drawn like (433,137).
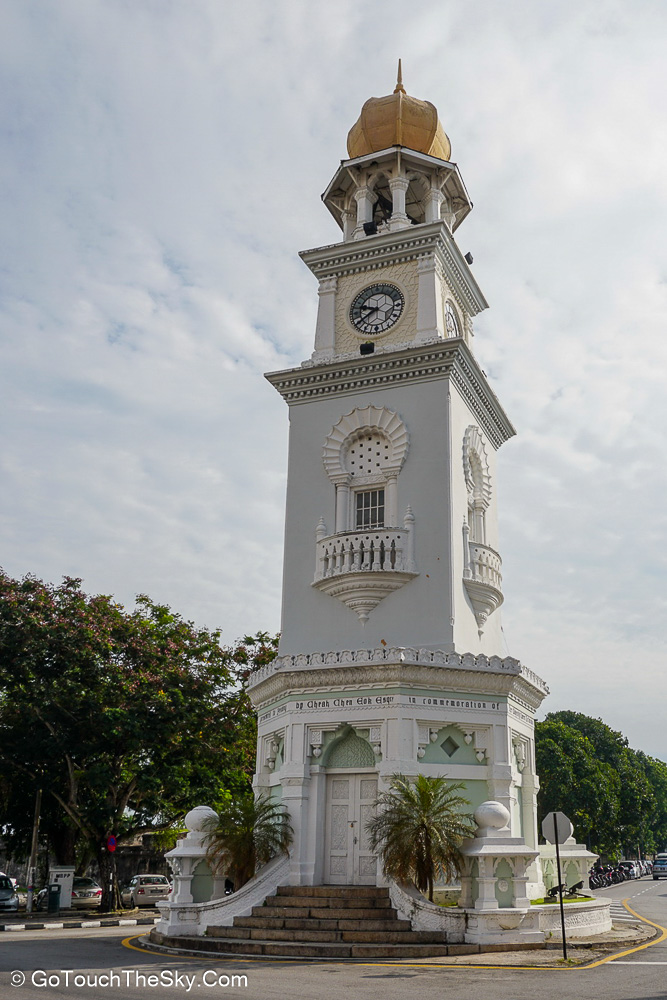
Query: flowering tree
(124,719)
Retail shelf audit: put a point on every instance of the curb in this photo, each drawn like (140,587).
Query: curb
(67,924)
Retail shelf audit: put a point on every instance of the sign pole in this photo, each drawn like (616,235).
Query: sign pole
(32,864)
(560,889)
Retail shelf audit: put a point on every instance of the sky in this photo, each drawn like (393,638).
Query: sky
(161,165)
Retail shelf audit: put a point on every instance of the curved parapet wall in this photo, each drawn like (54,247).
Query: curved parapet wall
(191,920)
(582,920)
(425,916)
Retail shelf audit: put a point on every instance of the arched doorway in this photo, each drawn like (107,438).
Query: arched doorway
(350,797)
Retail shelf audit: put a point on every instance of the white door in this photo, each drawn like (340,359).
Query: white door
(348,859)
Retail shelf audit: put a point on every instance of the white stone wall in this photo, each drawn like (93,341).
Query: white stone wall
(420,612)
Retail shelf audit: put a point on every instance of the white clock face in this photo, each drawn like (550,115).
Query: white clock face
(377,308)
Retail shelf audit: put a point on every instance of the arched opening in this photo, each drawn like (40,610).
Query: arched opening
(415,198)
(382,199)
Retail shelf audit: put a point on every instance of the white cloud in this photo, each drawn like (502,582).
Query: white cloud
(162,166)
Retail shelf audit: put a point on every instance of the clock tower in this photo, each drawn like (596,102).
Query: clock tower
(390,657)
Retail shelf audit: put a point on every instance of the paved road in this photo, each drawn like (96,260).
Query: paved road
(100,952)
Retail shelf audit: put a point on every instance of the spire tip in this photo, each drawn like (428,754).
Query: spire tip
(399,80)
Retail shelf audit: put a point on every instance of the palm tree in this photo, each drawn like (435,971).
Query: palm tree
(419,828)
(249,833)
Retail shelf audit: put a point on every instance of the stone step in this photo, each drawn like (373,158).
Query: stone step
(333,891)
(393,937)
(353,901)
(331,936)
(320,949)
(280,911)
(346,913)
(325,913)
(306,923)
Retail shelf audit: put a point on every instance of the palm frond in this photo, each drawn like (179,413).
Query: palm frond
(418,829)
(248,834)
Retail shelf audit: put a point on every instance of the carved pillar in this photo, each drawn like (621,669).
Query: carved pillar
(486,880)
(434,200)
(519,883)
(364,199)
(342,504)
(467,569)
(391,512)
(398,187)
(326,319)
(349,220)
(430,322)
(295,799)
(479,526)
(409,525)
(320,534)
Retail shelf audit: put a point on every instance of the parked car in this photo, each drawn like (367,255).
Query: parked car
(145,890)
(9,899)
(632,867)
(660,866)
(86,894)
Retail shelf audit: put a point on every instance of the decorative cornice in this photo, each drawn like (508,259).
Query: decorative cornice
(468,683)
(424,363)
(397,665)
(396,248)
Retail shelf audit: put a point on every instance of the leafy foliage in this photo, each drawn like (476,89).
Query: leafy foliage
(418,830)
(125,719)
(614,795)
(249,833)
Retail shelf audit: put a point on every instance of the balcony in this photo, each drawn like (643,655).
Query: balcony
(361,568)
(482,579)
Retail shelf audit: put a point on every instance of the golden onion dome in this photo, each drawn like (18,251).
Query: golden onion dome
(398,120)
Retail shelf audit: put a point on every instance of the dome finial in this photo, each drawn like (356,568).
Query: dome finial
(399,80)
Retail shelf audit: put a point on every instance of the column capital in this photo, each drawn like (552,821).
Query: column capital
(399,183)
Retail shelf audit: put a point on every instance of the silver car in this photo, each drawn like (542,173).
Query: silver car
(86,895)
(660,867)
(145,890)
(9,899)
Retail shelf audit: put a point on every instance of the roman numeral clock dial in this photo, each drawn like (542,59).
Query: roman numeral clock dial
(376,309)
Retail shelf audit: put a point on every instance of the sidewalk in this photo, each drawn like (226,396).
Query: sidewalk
(70,918)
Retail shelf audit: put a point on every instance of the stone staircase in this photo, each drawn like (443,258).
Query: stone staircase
(323,922)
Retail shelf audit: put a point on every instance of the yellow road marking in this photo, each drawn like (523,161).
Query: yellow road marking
(408,965)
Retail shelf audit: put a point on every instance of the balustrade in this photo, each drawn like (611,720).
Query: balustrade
(485,565)
(363,552)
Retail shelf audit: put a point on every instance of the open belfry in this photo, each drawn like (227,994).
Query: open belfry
(391,652)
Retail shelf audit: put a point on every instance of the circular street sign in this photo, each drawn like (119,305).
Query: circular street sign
(562,831)
(111,843)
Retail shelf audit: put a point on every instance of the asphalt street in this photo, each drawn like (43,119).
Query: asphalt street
(102,962)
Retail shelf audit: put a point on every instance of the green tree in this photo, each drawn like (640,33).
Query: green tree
(633,802)
(655,835)
(574,781)
(125,719)
(249,833)
(418,829)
